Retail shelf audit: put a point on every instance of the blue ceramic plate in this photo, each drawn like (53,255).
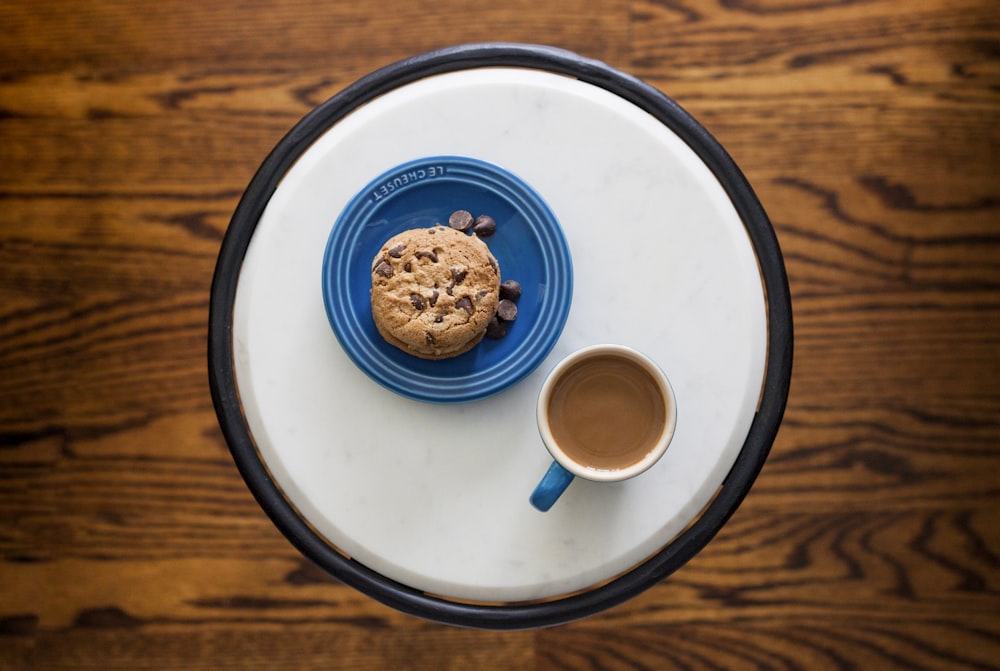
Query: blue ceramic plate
(528,244)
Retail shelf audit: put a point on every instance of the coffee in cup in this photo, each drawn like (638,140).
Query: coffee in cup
(605,413)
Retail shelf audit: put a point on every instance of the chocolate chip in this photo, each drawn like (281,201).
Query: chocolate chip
(429,338)
(383,269)
(493,265)
(397,251)
(439,319)
(434,297)
(510,289)
(427,255)
(461,220)
(506,310)
(465,303)
(459,274)
(450,289)
(407,267)
(496,329)
(417,300)
(485,226)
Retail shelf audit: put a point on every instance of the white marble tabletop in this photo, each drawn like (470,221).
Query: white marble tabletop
(436,496)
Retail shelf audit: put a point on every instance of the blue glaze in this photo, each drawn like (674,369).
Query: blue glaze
(553,484)
(529,245)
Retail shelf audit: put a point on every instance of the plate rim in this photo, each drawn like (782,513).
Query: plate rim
(735,486)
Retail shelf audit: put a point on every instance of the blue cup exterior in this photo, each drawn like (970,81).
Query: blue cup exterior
(553,484)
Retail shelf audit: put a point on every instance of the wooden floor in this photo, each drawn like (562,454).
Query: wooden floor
(870,130)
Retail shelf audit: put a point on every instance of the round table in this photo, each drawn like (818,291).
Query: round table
(424,506)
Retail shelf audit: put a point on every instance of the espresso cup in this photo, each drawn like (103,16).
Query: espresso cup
(605,413)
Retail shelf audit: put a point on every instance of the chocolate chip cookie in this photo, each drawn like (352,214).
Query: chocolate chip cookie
(434,290)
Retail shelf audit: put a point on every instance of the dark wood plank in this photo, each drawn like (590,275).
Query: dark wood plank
(256,35)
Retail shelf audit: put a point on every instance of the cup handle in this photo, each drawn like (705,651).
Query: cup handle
(553,484)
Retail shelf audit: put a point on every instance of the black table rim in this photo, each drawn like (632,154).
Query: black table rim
(741,476)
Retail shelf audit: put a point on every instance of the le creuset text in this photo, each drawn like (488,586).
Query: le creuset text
(405,178)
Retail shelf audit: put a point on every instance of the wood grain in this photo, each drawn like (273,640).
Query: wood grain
(869,129)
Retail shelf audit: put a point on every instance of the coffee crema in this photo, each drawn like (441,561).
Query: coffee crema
(606,412)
